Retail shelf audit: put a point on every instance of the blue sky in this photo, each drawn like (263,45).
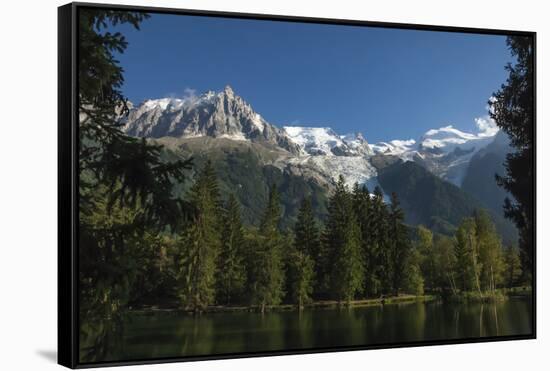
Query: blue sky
(386,83)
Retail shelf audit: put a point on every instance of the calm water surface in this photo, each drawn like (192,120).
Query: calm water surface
(168,334)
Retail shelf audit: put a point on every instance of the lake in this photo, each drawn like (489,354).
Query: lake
(162,334)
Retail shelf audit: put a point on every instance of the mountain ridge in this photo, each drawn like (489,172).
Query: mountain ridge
(219,115)
(317,152)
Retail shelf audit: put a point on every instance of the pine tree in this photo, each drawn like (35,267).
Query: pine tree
(361,200)
(267,274)
(399,244)
(130,168)
(231,273)
(512,109)
(199,246)
(512,265)
(211,179)
(343,238)
(304,254)
(377,255)
(306,230)
(125,190)
(301,276)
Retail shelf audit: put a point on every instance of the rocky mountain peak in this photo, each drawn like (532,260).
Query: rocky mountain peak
(215,114)
(228,90)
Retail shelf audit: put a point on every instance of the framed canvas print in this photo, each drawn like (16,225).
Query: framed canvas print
(234,185)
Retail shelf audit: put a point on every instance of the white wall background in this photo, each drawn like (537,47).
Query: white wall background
(28,181)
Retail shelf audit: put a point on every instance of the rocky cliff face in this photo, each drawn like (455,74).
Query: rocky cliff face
(218,115)
(446,152)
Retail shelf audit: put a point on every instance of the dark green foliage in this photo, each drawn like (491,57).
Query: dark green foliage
(130,168)
(200,244)
(306,231)
(155,282)
(343,246)
(512,110)
(125,190)
(231,277)
(378,266)
(267,274)
(466,251)
(512,267)
(363,209)
(399,244)
(305,255)
(241,172)
(149,236)
(301,276)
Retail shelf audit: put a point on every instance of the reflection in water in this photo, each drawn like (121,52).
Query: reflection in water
(158,335)
(481,321)
(496,318)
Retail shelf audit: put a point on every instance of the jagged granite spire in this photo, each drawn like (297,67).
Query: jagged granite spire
(216,114)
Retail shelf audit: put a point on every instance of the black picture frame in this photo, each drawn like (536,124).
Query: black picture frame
(68,180)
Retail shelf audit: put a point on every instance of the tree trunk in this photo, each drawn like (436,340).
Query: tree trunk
(474,259)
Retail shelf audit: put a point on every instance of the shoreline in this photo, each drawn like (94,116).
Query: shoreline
(326,304)
(290,307)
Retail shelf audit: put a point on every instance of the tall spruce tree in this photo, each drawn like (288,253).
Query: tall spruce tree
(267,271)
(362,207)
(231,275)
(343,238)
(305,253)
(125,190)
(306,230)
(399,244)
(130,168)
(512,263)
(301,276)
(379,261)
(513,111)
(200,245)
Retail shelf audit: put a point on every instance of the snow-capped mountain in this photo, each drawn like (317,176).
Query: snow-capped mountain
(220,115)
(324,141)
(404,149)
(447,139)
(331,155)
(446,152)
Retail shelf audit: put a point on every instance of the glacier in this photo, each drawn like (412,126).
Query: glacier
(445,151)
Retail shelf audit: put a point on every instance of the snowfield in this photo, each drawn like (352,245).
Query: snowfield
(314,140)
(355,169)
(447,139)
(445,151)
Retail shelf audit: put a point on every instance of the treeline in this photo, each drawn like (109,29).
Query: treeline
(364,250)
